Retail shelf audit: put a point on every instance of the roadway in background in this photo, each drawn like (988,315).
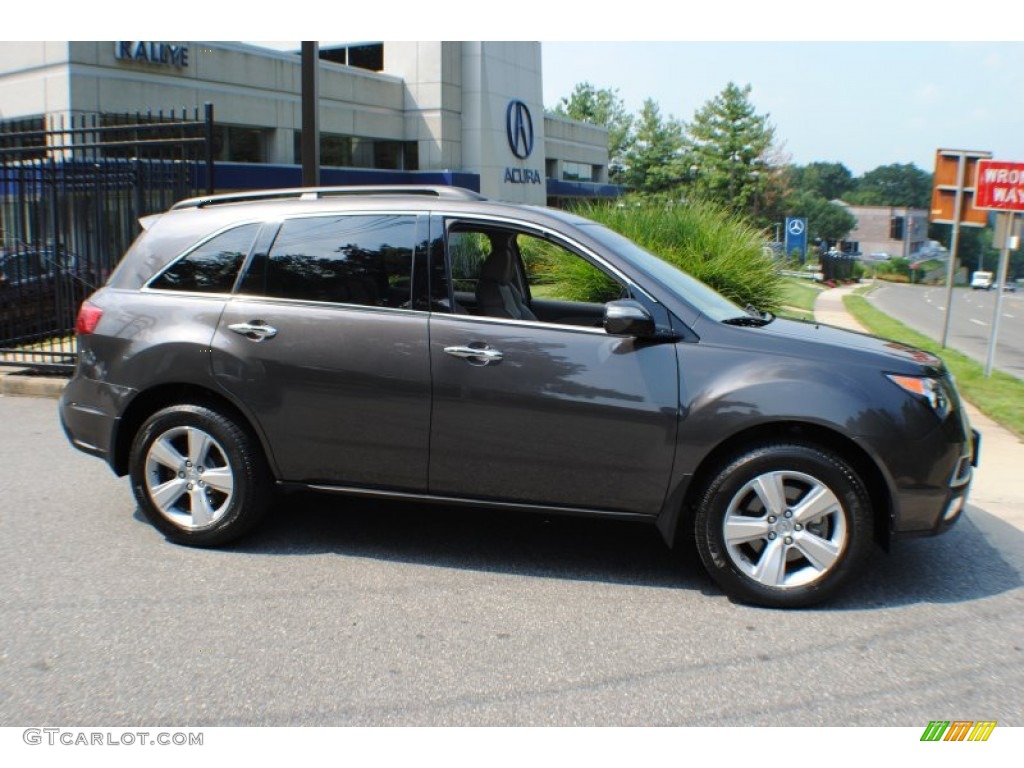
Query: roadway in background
(923,308)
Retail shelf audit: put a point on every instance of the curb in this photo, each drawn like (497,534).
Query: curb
(18,385)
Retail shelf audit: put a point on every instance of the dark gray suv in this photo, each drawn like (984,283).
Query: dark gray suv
(413,343)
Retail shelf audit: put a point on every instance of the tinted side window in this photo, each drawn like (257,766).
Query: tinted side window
(213,266)
(554,272)
(357,259)
(469,251)
(498,271)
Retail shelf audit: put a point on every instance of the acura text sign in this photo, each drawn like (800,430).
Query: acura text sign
(519,131)
(999,186)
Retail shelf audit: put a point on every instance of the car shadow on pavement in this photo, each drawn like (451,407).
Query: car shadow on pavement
(522,543)
(960,566)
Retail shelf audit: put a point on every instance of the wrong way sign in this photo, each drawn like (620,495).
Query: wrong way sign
(999,186)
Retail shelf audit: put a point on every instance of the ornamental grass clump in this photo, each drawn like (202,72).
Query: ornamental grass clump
(702,239)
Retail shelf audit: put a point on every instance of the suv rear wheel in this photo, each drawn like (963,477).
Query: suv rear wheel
(783,525)
(199,477)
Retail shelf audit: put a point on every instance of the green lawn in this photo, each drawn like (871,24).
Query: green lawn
(796,299)
(800,294)
(1000,397)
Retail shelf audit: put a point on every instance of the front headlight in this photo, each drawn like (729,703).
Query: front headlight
(926,388)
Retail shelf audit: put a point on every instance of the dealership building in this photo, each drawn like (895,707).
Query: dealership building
(886,231)
(464,113)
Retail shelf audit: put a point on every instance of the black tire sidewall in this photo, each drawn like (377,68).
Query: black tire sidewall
(251,487)
(831,470)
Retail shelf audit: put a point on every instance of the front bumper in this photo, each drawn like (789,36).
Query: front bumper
(948,507)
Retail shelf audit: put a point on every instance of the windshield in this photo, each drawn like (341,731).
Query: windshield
(703,298)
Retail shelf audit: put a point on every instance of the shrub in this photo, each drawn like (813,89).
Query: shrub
(561,275)
(700,238)
(893,277)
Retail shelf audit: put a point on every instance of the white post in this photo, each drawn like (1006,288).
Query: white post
(1004,263)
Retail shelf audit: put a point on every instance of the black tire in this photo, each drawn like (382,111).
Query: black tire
(798,522)
(199,478)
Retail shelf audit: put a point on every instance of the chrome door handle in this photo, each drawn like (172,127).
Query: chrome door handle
(255,331)
(476,355)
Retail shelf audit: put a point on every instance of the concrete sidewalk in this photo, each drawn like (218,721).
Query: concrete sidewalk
(996,488)
(13,381)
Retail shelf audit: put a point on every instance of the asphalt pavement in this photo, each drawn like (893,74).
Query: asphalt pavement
(971,323)
(358,613)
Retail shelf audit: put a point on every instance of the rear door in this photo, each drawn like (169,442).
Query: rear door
(323,347)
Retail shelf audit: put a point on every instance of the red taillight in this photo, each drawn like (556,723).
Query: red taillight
(88,318)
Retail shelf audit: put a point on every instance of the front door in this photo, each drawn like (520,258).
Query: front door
(550,412)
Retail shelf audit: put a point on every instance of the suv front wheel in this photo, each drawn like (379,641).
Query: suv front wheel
(783,525)
(199,477)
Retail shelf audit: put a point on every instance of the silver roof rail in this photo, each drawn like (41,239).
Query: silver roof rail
(316,193)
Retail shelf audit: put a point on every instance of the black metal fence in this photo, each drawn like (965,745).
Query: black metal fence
(837,266)
(71,195)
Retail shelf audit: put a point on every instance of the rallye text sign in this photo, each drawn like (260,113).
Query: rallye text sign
(151,52)
(999,186)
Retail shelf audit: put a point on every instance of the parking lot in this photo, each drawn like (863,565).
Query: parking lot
(344,613)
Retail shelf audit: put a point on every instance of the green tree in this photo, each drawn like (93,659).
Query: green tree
(604,107)
(654,163)
(828,180)
(895,185)
(728,145)
(831,221)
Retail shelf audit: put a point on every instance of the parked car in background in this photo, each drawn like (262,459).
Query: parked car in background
(409,343)
(982,281)
(40,291)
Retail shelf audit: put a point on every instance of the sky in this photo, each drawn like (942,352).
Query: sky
(862,104)
(878,82)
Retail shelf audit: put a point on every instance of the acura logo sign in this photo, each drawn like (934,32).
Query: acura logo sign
(519,127)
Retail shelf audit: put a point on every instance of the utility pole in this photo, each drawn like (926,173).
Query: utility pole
(1010,237)
(310,114)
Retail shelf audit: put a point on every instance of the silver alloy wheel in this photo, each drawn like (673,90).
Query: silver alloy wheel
(785,529)
(188,477)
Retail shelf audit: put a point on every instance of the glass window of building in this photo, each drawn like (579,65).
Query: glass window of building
(577,172)
(240,144)
(360,152)
(24,133)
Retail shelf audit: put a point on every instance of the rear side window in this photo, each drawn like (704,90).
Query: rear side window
(353,259)
(213,266)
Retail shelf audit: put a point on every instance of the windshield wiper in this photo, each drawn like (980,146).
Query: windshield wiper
(753,318)
(748,320)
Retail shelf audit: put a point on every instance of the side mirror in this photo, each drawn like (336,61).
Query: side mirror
(627,317)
